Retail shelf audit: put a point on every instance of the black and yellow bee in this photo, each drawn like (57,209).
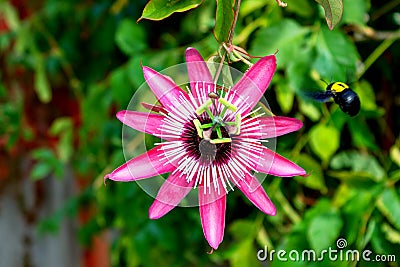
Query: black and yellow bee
(342,94)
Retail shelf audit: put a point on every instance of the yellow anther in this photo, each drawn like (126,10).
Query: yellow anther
(197,124)
(204,107)
(220,140)
(238,121)
(227,104)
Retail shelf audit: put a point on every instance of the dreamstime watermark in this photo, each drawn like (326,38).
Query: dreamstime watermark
(331,254)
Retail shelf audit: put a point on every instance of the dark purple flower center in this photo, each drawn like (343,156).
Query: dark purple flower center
(204,150)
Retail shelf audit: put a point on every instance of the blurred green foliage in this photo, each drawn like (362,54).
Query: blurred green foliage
(78,62)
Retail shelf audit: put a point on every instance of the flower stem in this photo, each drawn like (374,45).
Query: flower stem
(230,38)
(221,64)
(378,52)
(235,16)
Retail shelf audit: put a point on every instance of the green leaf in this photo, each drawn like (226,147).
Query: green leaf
(333,11)
(380,244)
(130,37)
(302,8)
(241,229)
(46,164)
(63,128)
(40,171)
(336,55)
(389,204)
(298,71)
(308,109)
(243,254)
(366,94)
(42,85)
(60,125)
(355,11)
(121,88)
(286,35)
(10,15)
(284,96)
(223,19)
(324,229)
(316,178)
(160,9)
(361,135)
(361,165)
(395,154)
(324,141)
(391,234)
(342,195)
(354,213)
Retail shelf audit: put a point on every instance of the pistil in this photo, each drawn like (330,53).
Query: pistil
(205,130)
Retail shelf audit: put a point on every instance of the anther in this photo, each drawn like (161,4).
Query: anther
(197,124)
(220,140)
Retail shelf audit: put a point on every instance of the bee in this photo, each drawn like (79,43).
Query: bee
(342,94)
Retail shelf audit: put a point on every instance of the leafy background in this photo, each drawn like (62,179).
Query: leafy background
(68,66)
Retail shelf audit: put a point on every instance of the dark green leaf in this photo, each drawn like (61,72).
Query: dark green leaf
(324,140)
(243,228)
(355,11)
(302,8)
(354,212)
(381,245)
(316,178)
(324,229)
(287,36)
(361,134)
(336,55)
(160,9)
(121,88)
(389,205)
(366,94)
(223,19)
(298,71)
(284,96)
(333,11)
(242,254)
(130,37)
(361,165)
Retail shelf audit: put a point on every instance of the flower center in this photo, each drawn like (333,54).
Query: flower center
(211,140)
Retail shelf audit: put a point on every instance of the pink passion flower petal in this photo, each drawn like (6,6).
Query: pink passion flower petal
(253,190)
(251,87)
(142,121)
(164,88)
(144,166)
(208,147)
(173,190)
(197,69)
(212,215)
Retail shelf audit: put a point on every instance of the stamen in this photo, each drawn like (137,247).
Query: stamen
(200,110)
(238,121)
(227,104)
(197,124)
(220,140)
